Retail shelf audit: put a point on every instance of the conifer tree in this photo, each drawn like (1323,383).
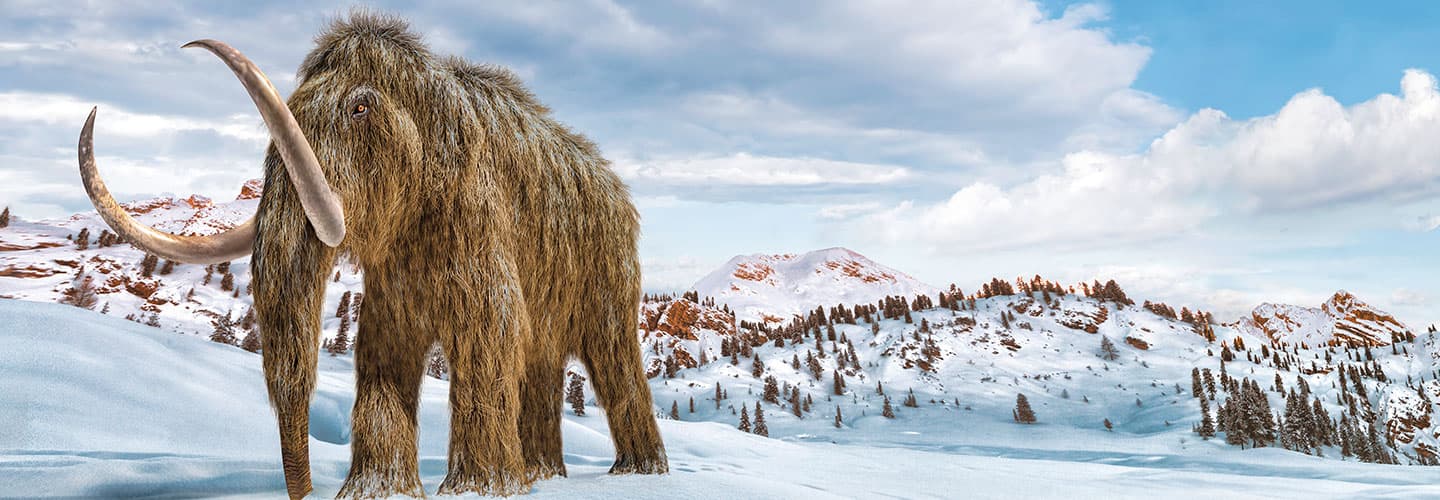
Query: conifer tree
(147,265)
(227,283)
(341,343)
(1107,349)
(251,342)
(772,391)
(692,404)
(575,395)
(910,400)
(887,411)
(1023,413)
(744,419)
(5,218)
(838,420)
(168,268)
(224,331)
(344,307)
(82,292)
(839,383)
(674,410)
(1109,426)
(757,368)
(82,240)
(718,396)
(1206,429)
(795,403)
(760,428)
(435,365)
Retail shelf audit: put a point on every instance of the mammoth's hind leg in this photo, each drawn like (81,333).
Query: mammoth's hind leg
(540,406)
(611,353)
(389,364)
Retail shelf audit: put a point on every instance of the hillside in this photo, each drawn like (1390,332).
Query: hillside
(83,417)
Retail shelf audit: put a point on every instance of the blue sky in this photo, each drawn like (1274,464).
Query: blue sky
(1211,154)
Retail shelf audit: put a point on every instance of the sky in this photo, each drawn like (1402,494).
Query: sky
(1209,154)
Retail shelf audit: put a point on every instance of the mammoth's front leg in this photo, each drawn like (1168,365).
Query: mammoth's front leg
(289,266)
(389,365)
(484,342)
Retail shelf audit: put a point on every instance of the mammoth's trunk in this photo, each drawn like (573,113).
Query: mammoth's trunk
(290,266)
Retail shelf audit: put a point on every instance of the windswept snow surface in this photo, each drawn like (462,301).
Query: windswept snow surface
(95,406)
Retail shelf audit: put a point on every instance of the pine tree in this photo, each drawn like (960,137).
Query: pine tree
(575,395)
(674,410)
(147,265)
(760,428)
(435,365)
(1023,413)
(692,404)
(1107,349)
(1206,429)
(341,343)
(839,383)
(1197,388)
(838,420)
(251,342)
(772,391)
(82,240)
(757,368)
(887,411)
(910,400)
(1109,426)
(718,396)
(795,402)
(744,419)
(5,218)
(224,331)
(344,306)
(81,293)
(227,283)
(168,268)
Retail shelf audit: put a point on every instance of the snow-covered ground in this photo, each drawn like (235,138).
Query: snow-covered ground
(97,406)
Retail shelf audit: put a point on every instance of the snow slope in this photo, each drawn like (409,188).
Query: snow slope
(778,286)
(95,406)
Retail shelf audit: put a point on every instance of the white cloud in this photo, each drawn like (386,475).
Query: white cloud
(742,169)
(1313,152)
(597,24)
(54,109)
(1009,51)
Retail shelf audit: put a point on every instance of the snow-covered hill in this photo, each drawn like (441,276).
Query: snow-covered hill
(776,287)
(94,406)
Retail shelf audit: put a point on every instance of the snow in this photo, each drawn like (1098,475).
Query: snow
(92,405)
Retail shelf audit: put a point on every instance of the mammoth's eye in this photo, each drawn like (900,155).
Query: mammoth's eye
(359,110)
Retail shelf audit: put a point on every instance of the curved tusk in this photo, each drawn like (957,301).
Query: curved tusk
(221,247)
(321,205)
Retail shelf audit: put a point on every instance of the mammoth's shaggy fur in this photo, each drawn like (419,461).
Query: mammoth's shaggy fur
(482,224)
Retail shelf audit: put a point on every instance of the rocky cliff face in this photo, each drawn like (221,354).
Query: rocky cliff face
(1342,320)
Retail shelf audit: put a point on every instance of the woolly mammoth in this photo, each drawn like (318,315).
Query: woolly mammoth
(480,222)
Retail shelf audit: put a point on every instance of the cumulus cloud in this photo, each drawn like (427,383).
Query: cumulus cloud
(1313,152)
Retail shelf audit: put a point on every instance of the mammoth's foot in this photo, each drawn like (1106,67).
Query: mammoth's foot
(543,469)
(361,484)
(493,482)
(644,462)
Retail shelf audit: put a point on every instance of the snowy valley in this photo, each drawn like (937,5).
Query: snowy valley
(863,375)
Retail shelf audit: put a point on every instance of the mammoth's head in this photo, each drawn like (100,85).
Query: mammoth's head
(346,129)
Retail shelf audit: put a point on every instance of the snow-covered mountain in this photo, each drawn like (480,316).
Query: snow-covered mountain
(1342,320)
(41,260)
(776,287)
